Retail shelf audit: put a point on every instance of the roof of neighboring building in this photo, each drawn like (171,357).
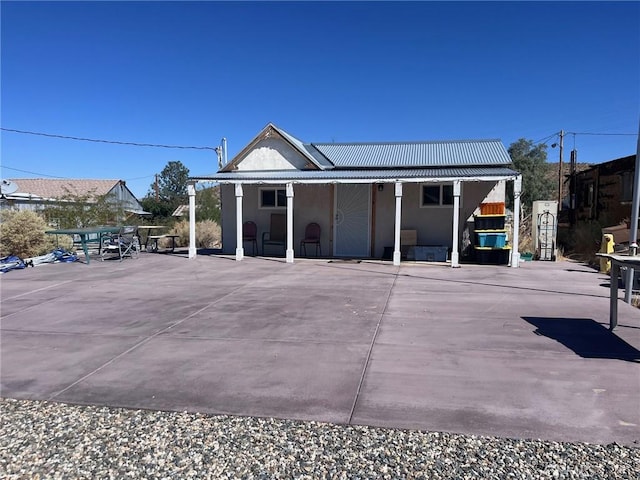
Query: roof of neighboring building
(58,188)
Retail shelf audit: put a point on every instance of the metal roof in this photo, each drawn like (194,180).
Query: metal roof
(453,153)
(410,174)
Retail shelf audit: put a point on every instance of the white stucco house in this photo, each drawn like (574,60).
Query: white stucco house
(363,195)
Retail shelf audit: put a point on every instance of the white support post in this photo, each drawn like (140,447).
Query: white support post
(517,191)
(455,256)
(239,244)
(191,190)
(289,222)
(396,248)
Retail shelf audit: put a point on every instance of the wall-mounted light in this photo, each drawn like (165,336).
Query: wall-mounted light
(380,187)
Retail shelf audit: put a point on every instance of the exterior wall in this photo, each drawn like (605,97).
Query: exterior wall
(604,192)
(272,154)
(434,225)
(315,203)
(311,203)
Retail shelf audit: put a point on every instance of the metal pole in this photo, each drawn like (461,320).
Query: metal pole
(633,234)
(560,171)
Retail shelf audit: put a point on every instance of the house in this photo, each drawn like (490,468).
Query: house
(604,192)
(363,195)
(37,193)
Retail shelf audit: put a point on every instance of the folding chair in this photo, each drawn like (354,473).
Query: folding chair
(124,243)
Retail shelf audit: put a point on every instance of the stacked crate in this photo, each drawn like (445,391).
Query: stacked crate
(490,235)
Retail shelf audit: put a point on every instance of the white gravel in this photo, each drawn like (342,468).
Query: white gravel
(41,440)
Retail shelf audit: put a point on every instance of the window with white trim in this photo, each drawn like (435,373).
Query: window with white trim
(436,195)
(273,198)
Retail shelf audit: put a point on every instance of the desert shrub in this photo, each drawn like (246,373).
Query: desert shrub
(22,234)
(208,234)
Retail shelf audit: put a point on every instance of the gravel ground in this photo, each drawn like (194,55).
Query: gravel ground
(52,440)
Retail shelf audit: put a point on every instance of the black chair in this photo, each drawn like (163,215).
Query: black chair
(311,236)
(250,234)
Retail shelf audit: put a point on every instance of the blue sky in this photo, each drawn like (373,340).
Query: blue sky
(190,73)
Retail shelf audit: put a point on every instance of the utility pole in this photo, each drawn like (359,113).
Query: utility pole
(560,171)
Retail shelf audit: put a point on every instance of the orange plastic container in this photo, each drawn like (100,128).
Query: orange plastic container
(496,208)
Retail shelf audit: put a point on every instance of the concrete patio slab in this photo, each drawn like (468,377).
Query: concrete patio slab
(480,349)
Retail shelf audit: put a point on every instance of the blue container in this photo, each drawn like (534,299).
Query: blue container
(497,240)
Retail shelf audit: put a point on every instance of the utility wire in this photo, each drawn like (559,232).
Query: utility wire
(135,144)
(591,133)
(32,173)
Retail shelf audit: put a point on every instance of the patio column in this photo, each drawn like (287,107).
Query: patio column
(191,190)
(239,244)
(396,248)
(517,191)
(455,256)
(289,222)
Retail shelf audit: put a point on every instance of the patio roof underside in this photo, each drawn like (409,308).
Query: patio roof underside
(411,175)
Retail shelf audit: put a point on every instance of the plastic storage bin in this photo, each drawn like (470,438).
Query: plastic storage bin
(496,208)
(495,240)
(488,222)
(492,256)
(428,253)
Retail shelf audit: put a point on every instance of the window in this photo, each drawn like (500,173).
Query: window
(273,198)
(436,195)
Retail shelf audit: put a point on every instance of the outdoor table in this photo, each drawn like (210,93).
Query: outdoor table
(83,233)
(617,261)
(149,229)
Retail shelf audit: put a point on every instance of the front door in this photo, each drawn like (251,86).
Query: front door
(351,221)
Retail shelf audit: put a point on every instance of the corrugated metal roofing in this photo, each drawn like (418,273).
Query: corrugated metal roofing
(363,174)
(415,154)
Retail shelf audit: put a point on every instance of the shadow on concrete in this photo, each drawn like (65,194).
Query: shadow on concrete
(585,337)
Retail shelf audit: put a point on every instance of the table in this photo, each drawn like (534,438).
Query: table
(617,261)
(84,233)
(155,238)
(149,229)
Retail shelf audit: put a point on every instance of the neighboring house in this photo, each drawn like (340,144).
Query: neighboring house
(604,192)
(361,194)
(37,193)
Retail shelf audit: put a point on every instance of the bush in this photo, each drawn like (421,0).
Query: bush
(208,234)
(22,234)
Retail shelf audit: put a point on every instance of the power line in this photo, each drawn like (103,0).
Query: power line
(135,144)
(592,133)
(32,173)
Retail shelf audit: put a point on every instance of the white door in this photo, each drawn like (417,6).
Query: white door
(351,221)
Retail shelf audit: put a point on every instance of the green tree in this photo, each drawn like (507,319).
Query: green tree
(86,210)
(531,161)
(171,190)
(208,204)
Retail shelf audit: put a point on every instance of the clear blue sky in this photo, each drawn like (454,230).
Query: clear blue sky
(191,73)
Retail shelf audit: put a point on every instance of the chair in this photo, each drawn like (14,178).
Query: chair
(312,236)
(124,243)
(277,234)
(250,234)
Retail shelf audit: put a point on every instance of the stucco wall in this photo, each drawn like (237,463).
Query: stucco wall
(272,154)
(315,203)
(311,203)
(434,225)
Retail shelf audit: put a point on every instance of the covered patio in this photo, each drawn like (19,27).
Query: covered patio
(364,194)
